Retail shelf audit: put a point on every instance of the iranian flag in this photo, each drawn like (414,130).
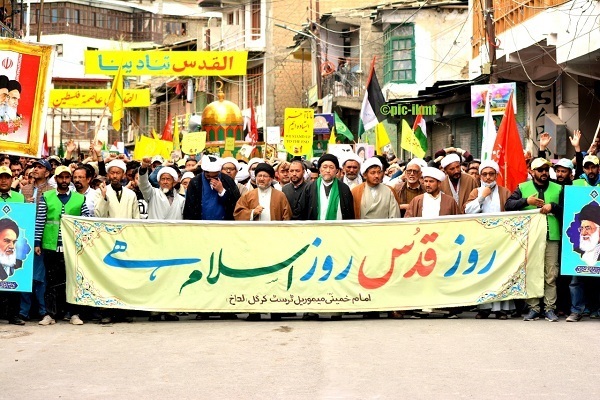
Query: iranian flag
(420,130)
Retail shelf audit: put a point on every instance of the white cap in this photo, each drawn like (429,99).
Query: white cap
(230,160)
(116,163)
(167,170)
(352,157)
(187,174)
(211,163)
(565,163)
(489,164)
(433,173)
(160,159)
(242,174)
(449,159)
(255,161)
(417,161)
(373,161)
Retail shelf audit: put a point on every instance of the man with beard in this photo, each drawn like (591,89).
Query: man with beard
(327,198)
(295,189)
(433,203)
(211,195)
(9,233)
(489,198)
(282,173)
(263,203)
(410,187)
(459,184)
(563,170)
(548,198)
(33,193)
(351,167)
(82,177)
(114,200)
(372,199)
(590,175)
(251,167)
(589,248)
(52,206)
(164,203)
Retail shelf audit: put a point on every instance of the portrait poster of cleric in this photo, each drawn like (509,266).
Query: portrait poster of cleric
(17,233)
(24,87)
(581,231)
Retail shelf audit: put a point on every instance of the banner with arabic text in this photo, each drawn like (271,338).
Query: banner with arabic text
(96,98)
(166,63)
(304,266)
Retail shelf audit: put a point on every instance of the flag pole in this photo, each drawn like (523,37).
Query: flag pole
(98,125)
(595,137)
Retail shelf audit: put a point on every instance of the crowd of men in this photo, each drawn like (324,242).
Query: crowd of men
(328,188)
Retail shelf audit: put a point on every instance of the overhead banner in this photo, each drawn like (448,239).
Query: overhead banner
(27,71)
(304,266)
(17,232)
(166,63)
(581,232)
(96,98)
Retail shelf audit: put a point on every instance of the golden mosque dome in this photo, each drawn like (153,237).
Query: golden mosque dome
(222,112)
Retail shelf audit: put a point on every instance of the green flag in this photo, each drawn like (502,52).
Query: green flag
(342,129)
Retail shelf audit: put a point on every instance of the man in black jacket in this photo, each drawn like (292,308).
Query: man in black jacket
(211,195)
(328,198)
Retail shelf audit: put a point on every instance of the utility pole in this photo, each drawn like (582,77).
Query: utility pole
(490,31)
(40,21)
(317,35)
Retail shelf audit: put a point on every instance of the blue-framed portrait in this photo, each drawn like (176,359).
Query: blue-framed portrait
(17,233)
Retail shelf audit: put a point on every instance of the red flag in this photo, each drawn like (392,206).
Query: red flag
(253,131)
(45,149)
(508,151)
(167,133)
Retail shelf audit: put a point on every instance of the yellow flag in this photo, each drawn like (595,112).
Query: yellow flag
(332,136)
(176,134)
(410,142)
(115,100)
(154,134)
(381,138)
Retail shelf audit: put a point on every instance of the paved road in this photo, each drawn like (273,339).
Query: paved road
(293,359)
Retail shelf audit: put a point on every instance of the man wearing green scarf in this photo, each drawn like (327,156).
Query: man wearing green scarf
(328,198)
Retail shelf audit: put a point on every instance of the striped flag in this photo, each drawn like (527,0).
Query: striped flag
(370,112)
(420,131)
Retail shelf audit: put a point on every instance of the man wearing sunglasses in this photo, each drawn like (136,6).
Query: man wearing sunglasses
(548,198)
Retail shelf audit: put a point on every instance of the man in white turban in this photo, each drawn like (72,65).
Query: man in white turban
(459,184)
(433,203)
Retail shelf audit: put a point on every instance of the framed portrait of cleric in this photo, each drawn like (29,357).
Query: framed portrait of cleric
(364,151)
(17,233)
(25,74)
(581,231)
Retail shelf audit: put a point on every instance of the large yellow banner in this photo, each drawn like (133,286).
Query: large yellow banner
(96,98)
(166,63)
(304,266)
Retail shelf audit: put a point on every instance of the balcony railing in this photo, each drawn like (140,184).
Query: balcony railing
(342,84)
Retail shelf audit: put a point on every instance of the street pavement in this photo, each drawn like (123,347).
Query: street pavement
(431,358)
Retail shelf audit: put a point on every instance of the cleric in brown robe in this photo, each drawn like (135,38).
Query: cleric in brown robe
(459,184)
(263,203)
(433,203)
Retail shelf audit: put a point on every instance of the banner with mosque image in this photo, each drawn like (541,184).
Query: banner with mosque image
(25,74)
(17,232)
(322,266)
(581,231)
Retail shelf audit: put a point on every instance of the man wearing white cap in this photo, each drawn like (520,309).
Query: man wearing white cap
(251,167)
(351,168)
(433,203)
(372,199)
(546,196)
(410,186)
(231,167)
(163,202)
(563,170)
(211,195)
(114,200)
(459,184)
(489,198)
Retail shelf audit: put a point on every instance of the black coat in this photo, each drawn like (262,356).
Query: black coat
(309,210)
(193,197)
